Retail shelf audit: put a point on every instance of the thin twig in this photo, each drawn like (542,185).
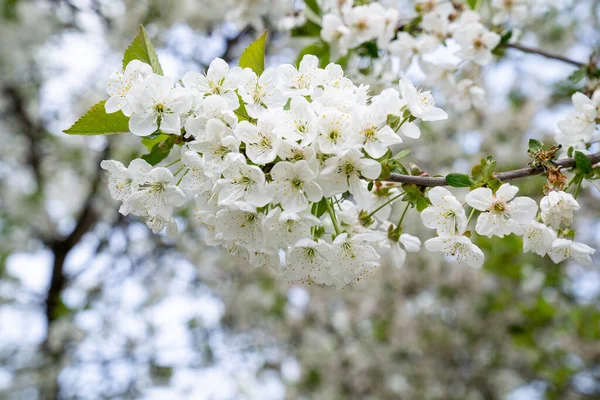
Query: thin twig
(543,53)
(503,176)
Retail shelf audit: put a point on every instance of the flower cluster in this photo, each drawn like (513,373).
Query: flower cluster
(352,29)
(501,213)
(279,163)
(347,27)
(285,168)
(580,126)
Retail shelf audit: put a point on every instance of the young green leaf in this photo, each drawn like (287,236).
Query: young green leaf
(535,145)
(97,122)
(151,140)
(583,163)
(313,6)
(473,4)
(254,55)
(319,49)
(578,75)
(494,184)
(160,150)
(141,48)
(484,172)
(401,154)
(455,179)
(319,208)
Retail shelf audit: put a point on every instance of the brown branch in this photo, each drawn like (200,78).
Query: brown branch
(61,247)
(543,53)
(503,176)
(32,130)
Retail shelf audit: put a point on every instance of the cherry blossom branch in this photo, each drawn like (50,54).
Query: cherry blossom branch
(503,176)
(543,53)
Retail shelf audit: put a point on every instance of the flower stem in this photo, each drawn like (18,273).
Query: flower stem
(577,188)
(470,216)
(331,212)
(403,215)
(384,204)
(182,175)
(178,171)
(174,162)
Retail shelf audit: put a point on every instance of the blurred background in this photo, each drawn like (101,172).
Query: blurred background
(94,306)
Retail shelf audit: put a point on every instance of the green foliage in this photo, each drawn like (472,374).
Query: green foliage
(9,9)
(159,150)
(313,6)
(141,48)
(535,145)
(97,122)
(370,49)
(483,173)
(152,140)
(318,209)
(500,49)
(583,163)
(578,75)
(254,55)
(455,179)
(319,49)
(401,154)
(473,4)
(416,197)
(309,29)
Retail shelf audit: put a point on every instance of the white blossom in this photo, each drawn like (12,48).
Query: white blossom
(343,173)
(157,104)
(564,248)
(537,237)
(124,181)
(219,80)
(557,208)
(242,182)
(500,210)
(120,82)
(579,126)
(457,246)
(294,185)
(446,214)
(477,42)
(156,197)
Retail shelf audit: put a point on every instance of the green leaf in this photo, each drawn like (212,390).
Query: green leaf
(309,29)
(535,145)
(319,49)
(141,48)
(318,209)
(484,172)
(152,140)
(97,122)
(385,172)
(455,179)
(473,4)
(371,49)
(254,55)
(314,6)
(494,184)
(401,154)
(398,168)
(422,203)
(160,150)
(9,10)
(583,163)
(578,75)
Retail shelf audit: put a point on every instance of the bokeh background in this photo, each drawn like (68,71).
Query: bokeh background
(94,306)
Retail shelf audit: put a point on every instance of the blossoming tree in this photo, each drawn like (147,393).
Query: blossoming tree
(296,168)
